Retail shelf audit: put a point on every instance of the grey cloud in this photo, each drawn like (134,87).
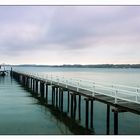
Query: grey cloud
(67,28)
(70,25)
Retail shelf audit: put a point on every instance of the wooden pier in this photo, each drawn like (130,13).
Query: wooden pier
(114,102)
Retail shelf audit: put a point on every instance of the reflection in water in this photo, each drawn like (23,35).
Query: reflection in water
(2,79)
(64,122)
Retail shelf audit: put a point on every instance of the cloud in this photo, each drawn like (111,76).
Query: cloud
(70,32)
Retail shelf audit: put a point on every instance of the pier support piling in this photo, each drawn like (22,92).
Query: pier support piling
(46,93)
(33,85)
(108,120)
(42,89)
(36,87)
(56,92)
(91,113)
(68,102)
(71,105)
(87,112)
(75,106)
(115,122)
(59,97)
(53,95)
(79,108)
(62,100)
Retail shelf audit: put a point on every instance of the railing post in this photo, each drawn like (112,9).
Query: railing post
(66,83)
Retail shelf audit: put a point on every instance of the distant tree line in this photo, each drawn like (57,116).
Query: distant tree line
(104,66)
(85,66)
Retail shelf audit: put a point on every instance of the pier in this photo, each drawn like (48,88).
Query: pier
(117,98)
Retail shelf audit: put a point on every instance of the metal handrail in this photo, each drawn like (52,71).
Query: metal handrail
(116,91)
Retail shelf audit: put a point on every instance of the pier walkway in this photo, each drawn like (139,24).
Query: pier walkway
(120,98)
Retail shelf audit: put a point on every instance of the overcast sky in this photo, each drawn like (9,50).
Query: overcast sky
(69,34)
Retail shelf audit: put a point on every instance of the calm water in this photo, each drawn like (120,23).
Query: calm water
(20,113)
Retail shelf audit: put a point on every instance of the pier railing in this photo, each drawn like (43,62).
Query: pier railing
(118,92)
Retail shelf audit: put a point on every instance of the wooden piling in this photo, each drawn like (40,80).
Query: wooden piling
(28,83)
(108,120)
(52,95)
(59,97)
(37,87)
(91,113)
(46,93)
(23,80)
(42,89)
(115,123)
(87,112)
(68,102)
(25,84)
(75,105)
(56,96)
(62,100)
(79,108)
(71,105)
(11,72)
(33,84)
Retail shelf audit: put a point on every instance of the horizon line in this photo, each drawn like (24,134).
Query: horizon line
(75,64)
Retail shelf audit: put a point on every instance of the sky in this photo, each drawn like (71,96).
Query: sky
(56,35)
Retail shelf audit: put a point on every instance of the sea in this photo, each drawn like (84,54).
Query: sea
(22,114)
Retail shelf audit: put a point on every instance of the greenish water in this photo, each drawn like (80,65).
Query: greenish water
(20,113)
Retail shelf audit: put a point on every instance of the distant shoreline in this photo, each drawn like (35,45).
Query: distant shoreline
(82,66)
